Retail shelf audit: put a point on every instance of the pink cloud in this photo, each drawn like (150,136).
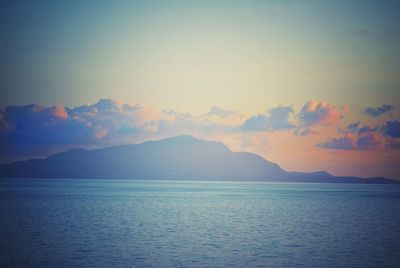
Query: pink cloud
(315,117)
(319,113)
(59,111)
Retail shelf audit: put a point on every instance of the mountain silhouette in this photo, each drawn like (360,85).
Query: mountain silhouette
(176,158)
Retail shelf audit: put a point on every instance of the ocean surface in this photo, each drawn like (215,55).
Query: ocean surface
(120,223)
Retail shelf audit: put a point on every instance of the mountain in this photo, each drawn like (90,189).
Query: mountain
(181,157)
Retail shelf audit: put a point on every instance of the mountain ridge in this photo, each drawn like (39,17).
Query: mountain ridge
(180,157)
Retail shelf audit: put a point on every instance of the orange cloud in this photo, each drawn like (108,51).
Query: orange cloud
(316,116)
(59,112)
(319,113)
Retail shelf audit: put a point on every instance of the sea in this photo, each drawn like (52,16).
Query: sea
(128,223)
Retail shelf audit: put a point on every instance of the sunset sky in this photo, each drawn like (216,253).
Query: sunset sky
(310,85)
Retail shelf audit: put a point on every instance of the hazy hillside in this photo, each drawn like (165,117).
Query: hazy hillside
(182,157)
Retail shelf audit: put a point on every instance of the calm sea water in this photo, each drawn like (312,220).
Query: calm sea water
(108,223)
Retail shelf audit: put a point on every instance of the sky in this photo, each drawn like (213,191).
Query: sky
(310,85)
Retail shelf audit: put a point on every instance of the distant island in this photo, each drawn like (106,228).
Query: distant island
(176,158)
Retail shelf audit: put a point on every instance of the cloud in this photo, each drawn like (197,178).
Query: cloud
(370,141)
(223,113)
(221,116)
(392,144)
(38,130)
(353,127)
(256,123)
(279,118)
(378,111)
(319,113)
(276,119)
(34,128)
(366,137)
(367,142)
(109,105)
(305,131)
(314,115)
(59,111)
(366,130)
(343,143)
(391,129)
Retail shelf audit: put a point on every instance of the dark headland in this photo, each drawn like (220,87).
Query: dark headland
(177,158)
